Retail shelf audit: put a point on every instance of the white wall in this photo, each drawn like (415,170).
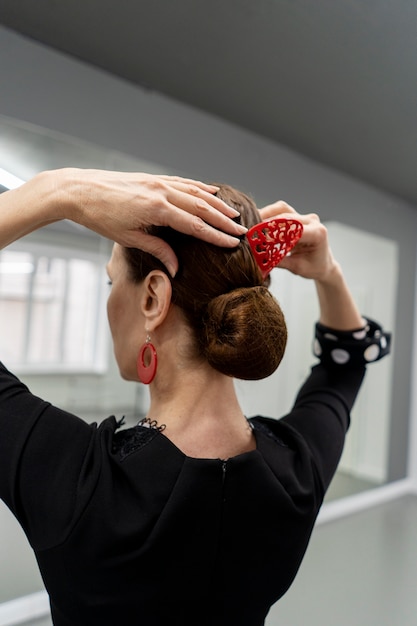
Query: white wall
(412,448)
(54,91)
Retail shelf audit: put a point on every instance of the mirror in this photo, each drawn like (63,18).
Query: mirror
(370,265)
(26,150)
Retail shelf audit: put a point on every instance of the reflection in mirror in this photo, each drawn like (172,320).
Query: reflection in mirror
(87,384)
(370,264)
(371,267)
(52,300)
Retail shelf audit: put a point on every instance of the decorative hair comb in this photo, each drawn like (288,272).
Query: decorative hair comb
(271,240)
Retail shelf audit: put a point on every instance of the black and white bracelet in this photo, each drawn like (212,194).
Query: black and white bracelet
(358,347)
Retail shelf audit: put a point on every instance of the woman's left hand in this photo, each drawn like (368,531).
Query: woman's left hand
(120,206)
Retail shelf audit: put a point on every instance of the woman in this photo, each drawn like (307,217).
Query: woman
(197,516)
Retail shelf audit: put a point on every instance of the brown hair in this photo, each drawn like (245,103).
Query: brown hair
(237,323)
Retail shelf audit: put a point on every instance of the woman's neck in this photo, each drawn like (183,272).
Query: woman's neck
(201,412)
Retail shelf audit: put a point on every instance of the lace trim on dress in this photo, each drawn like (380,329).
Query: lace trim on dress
(266,430)
(131,440)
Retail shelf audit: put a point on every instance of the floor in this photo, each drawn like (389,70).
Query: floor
(358,571)
(344,484)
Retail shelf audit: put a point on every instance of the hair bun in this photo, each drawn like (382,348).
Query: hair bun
(244,333)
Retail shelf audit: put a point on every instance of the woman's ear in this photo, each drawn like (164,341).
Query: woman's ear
(156,298)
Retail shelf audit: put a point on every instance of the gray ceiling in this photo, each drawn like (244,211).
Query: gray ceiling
(335,80)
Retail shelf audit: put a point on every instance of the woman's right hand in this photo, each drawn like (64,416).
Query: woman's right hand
(311,257)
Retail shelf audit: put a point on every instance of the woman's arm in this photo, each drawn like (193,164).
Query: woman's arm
(120,206)
(313,258)
(321,412)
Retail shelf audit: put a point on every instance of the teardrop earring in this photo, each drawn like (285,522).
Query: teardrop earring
(147,362)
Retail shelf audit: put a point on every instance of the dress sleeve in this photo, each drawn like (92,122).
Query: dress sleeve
(42,451)
(321,412)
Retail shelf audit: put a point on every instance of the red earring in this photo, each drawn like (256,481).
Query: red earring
(147,369)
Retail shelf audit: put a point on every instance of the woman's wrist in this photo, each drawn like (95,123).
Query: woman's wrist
(35,204)
(338,309)
(331,276)
(50,196)
(66,190)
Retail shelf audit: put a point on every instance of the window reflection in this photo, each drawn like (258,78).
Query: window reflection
(53,309)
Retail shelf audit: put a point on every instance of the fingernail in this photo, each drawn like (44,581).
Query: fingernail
(242,229)
(233,211)
(171,269)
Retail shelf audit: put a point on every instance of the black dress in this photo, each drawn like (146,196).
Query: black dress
(127,530)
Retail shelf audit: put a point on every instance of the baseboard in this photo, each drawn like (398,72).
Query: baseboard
(350,505)
(23,609)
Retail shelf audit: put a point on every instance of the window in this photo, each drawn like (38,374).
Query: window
(52,309)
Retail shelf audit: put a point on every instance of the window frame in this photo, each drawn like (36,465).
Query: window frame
(92,249)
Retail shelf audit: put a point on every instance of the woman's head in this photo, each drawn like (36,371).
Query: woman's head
(236,324)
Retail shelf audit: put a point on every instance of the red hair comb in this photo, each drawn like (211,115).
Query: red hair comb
(271,240)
